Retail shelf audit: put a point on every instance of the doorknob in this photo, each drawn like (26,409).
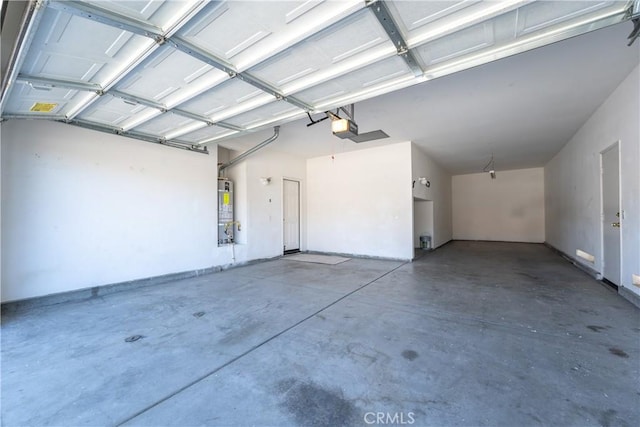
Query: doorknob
(615,224)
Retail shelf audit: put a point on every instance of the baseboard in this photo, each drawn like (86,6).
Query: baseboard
(443,244)
(423,252)
(590,271)
(629,295)
(357,256)
(498,241)
(103,290)
(99,291)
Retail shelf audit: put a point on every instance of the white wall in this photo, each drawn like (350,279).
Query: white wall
(439,192)
(83,208)
(260,207)
(572,181)
(509,208)
(360,202)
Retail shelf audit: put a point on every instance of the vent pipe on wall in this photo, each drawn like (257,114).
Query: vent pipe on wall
(276,133)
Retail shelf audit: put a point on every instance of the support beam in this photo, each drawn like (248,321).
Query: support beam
(192,50)
(139,136)
(61,83)
(265,87)
(92,87)
(205,119)
(164,109)
(200,54)
(192,116)
(35,116)
(382,13)
(138,100)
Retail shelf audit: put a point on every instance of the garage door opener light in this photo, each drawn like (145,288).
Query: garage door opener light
(491,168)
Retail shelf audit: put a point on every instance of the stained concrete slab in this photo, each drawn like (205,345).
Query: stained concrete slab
(319,259)
(471,334)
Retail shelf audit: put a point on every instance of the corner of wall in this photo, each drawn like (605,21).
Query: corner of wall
(438,191)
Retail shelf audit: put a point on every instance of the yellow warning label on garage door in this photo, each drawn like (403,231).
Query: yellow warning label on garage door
(43,107)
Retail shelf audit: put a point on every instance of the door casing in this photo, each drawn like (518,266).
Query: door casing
(611,243)
(290,185)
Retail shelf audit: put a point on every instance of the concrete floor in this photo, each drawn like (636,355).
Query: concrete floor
(491,334)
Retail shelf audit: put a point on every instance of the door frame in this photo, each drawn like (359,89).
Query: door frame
(617,144)
(299,182)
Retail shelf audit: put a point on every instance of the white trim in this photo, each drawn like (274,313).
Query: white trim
(299,182)
(616,144)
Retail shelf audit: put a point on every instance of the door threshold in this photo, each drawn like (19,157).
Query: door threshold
(291,251)
(609,283)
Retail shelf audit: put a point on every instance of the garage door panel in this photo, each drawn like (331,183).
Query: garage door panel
(112,111)
(205,134)
(24,98)
(375,74)
(267,27)
(529,21)
(162,14)
(265,114)
(414,16)
(277,56)
(164,124)
(539,15)
(60,65)
(63,50)
(171,76)
(313,60)
(225,99)
(463,42)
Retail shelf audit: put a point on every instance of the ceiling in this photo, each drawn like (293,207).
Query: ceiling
(523,109)
(189,74)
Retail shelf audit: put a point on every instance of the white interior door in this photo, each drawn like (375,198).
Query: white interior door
(291,218)
(611,214)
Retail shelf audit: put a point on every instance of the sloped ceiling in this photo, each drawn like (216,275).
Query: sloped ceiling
(192,73)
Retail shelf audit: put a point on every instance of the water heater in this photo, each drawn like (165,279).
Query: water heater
(225,211)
